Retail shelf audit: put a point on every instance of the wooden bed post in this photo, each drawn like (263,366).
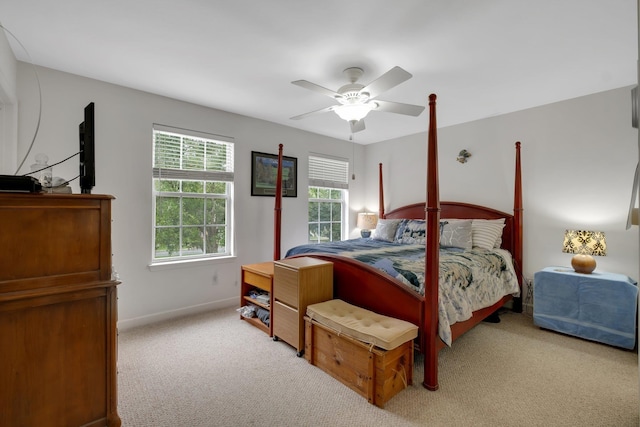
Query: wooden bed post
(278,208)
(380,193)
(432,255)
(517,228)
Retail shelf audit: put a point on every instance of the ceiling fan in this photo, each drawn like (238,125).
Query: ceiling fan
(356,100)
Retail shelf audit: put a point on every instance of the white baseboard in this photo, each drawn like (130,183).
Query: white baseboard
(123,325)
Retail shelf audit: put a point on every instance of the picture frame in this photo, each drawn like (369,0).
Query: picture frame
(264,170)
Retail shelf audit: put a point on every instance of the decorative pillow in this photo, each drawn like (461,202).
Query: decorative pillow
(456,233)
(386,229)
(487,233)
(400,230)
(411,231)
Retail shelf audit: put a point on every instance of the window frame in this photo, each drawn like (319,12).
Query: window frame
(182,176)
(330,173)
(330,200)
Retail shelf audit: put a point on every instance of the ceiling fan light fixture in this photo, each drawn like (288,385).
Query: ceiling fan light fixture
(354,112)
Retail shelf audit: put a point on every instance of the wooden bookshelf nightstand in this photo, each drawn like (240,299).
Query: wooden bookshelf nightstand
(257,276)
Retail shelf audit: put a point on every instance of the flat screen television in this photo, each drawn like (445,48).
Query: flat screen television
(87,151)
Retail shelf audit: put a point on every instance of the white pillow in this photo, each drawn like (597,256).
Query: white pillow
(487,233)
(386,229)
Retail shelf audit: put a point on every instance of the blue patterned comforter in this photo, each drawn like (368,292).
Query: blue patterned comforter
(469,279)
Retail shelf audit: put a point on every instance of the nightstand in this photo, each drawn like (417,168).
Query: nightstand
(257,277)
(599,306)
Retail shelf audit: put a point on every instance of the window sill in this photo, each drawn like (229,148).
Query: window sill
(171,265)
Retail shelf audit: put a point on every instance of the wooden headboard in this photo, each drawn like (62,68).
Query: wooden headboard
(460,210)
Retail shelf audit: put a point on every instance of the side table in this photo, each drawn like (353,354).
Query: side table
(599,306)
(257,276)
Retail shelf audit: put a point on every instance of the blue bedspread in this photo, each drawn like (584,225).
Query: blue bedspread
(341,246)
(468,280)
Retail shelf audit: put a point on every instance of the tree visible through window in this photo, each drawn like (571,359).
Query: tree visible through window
(325,214)
(328,191)
(193,187)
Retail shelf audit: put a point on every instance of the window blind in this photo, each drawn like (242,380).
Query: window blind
(184,155)
(328,172)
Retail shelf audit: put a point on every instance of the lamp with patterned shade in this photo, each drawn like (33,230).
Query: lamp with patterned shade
(584,244)
(366,222)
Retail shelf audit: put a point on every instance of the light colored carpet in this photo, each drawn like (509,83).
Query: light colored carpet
(213,369)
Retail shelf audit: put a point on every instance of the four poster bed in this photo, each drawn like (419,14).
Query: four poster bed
(385,291)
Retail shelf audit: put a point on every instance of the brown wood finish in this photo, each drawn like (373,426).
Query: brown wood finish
(58,311)
(370,371)
(432,256)
(367,287)
(257,276)
(298,283)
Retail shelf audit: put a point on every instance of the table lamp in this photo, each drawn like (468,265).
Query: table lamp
(584,244)
(366,222)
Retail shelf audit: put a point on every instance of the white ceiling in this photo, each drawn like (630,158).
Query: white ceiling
(481,57)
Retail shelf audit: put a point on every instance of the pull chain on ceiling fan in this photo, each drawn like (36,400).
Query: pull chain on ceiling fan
(356,100)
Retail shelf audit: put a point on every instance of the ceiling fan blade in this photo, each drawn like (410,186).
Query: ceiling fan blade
(390,79)
(356,126)
(313,113)
(317,88)
(399,108)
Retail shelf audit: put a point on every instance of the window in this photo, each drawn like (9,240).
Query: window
(328,198)
(193,194)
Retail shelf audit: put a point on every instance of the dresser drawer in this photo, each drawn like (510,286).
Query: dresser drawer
(286,325)
(257,280)
(286,285)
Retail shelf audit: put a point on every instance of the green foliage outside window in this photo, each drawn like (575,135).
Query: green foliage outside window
(190,224)
(325,214)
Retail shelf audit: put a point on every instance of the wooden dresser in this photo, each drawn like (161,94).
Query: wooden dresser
(58,311)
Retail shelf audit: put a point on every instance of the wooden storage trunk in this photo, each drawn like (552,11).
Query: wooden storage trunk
(374,373)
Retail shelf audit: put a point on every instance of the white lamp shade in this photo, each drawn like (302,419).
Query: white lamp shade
(367,221)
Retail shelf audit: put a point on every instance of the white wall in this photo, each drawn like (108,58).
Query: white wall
(8,108)
(578,161)
(124,119)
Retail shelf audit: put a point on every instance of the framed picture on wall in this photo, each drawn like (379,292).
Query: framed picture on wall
(264,172)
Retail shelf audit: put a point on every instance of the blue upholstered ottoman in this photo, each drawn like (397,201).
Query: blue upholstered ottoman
(599,306)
